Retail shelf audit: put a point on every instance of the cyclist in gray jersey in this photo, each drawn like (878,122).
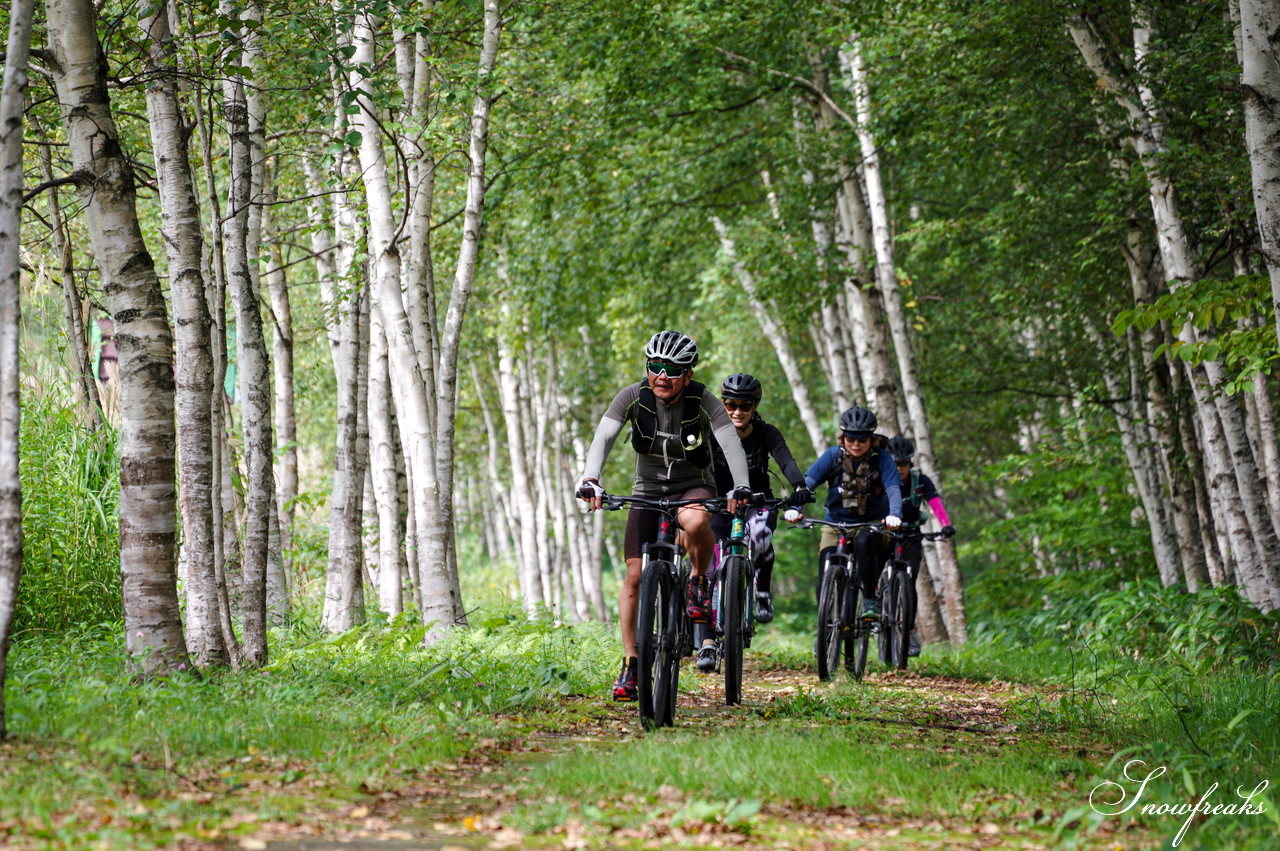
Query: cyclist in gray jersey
(672,419)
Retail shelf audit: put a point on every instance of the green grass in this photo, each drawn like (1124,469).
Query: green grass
(70,496)
(97,758)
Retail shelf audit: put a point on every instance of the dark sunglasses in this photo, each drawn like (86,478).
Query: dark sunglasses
(860,438)
(672,370)
(734,405)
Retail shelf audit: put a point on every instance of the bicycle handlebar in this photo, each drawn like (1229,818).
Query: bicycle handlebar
(714,504)
(902,532)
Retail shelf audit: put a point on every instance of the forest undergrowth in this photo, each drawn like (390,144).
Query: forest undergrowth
(503,735)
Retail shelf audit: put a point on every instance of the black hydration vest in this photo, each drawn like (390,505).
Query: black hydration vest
(859,480)
(644,424)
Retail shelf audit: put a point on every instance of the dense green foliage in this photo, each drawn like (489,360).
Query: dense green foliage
(70,524)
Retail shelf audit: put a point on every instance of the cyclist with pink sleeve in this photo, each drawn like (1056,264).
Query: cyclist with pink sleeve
(917,490)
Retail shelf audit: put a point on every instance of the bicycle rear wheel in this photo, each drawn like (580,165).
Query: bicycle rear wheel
(734,611)
(654,645)
(903,609)
(831,605)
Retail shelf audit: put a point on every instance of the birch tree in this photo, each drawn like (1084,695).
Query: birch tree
(12,100)
(1260,85)
(184,243)
(104,178)
(887,281)
(1220,421)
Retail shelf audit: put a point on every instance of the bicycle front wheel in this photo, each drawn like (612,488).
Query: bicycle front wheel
(903,610)
(654,642)
(831,604)
(734,611)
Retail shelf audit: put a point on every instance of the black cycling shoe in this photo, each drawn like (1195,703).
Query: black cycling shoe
(707,658)
(625,689)
(698,600)
(764,607)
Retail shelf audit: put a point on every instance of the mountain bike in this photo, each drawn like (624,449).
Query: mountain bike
(733,598)
(840,625)
(897,594)
(664,632)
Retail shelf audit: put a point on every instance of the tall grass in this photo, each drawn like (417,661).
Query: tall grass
(70,500)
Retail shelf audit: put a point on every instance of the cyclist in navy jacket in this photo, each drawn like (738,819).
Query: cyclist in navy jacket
(863,486)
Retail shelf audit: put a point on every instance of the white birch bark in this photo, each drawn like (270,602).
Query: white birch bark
(777,337)
(1163,542)
(383,482)
(1226,447)
(865,302)
(286,419)
(253,381)
(12,101)
(502,521)
(184,243)
(153,627)
(1260,83)
(520,492)
(347,291)
(443,585)
(1176,481)
(887,280)
(409,389)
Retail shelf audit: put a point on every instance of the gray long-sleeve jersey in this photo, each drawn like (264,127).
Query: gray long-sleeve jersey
(665,471)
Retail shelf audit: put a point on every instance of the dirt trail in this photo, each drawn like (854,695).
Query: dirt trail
(466,804)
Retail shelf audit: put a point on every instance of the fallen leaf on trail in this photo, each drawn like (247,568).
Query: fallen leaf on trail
(360,812)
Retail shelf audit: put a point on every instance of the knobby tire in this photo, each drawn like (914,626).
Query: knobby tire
(734,610)
(831,604)
(653,639)
(884,639)
(903,606)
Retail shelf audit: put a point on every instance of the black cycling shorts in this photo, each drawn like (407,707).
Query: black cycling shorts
(642,523)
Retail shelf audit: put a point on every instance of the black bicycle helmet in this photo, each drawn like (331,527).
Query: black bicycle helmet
(740,386)
(672,347)
(901,448)
(858,422)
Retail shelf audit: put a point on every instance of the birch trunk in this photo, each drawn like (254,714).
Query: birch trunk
(153,626)
(500,522)
(184,243)
(253,381)
(286,421)
(12,102)
(1222,432)
(342,577)
(522,511)
(442,584)
(344,589)
(1260,83)
(1163,420)
(225,498)
(410,391)
(1163,542)
(777,337)
(929,619)
(866,306)
(887,280)
(383,481)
